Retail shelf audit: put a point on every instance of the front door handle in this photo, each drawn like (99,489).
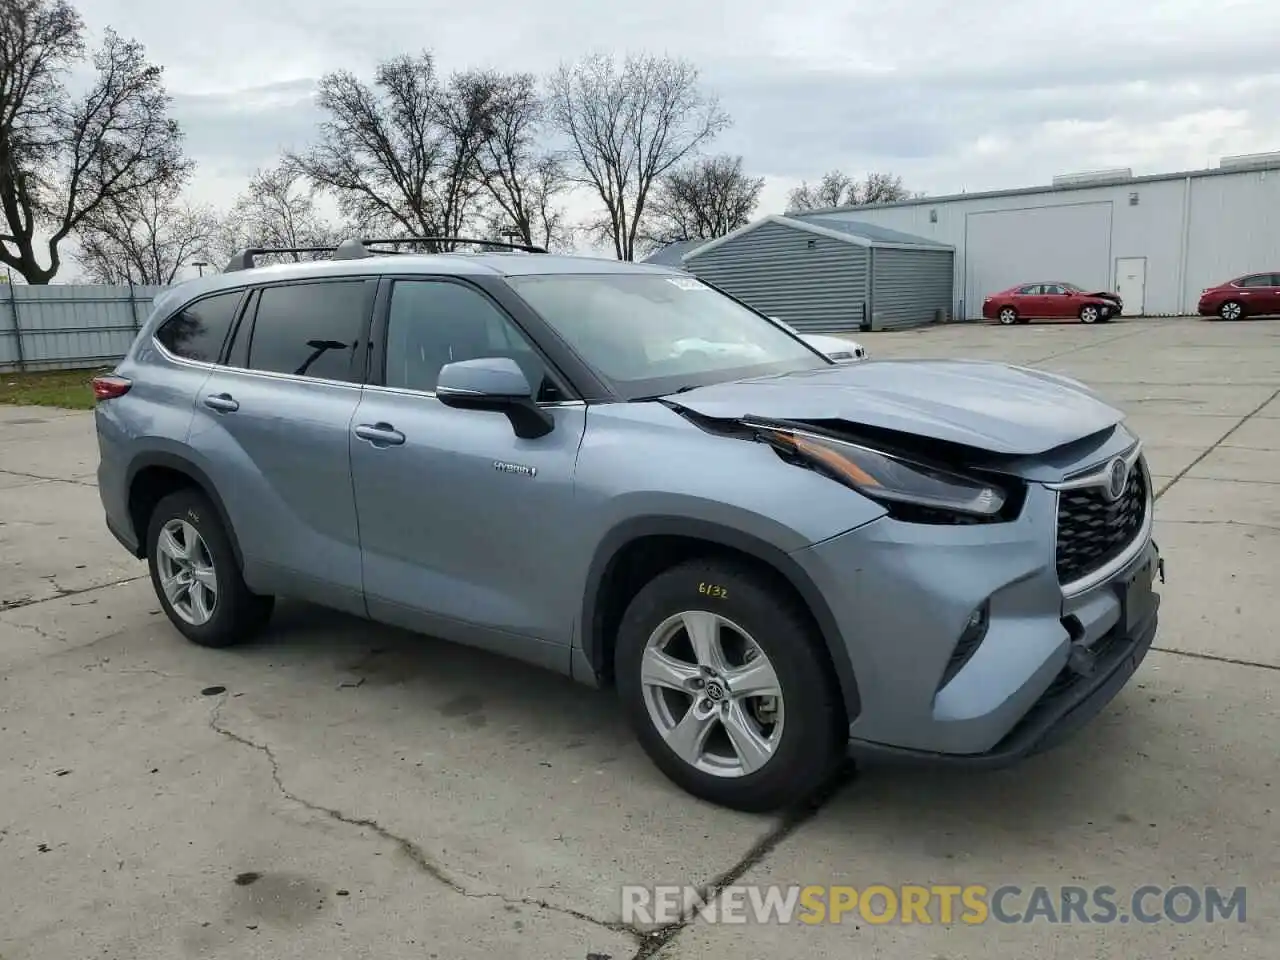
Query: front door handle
(380,434)
(222,402)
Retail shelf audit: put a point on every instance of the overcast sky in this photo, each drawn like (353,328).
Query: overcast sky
(952,96)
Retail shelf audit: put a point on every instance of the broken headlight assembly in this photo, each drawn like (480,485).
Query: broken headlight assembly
(909,489)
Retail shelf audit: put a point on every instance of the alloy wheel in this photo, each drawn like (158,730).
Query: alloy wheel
(1008,316)
(1088,314)
(1231,310)
(187,574)
(712,694)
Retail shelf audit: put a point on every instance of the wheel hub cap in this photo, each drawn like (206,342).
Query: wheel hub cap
(187,575)
(712,694)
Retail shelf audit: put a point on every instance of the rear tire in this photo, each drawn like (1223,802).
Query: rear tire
(1231,310)
(1007,316)
(751,751)
(195,574)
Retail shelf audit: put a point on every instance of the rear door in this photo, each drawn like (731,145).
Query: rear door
(1028,301)
(464,526)
(273,425)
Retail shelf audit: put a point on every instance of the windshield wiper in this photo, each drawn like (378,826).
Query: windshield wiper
(667,393)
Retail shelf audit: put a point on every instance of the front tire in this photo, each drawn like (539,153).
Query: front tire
(195,574)
(1231,310)
(726,684)
(1090,314)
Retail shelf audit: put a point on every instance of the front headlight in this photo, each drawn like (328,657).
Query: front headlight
(888,478)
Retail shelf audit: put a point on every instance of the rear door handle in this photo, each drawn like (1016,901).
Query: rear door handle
(380,434)
(223,402)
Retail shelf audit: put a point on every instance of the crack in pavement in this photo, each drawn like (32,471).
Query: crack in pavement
(1234,661)
(36,476)
(35,629)
(1090,345)
(1217,443)
(415,854)
(64,592)
(792,820)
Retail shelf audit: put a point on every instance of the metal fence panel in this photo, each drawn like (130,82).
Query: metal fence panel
(65,326)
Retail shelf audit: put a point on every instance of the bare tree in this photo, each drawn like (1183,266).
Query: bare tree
(278,210)
(403,154)
(145,237)
(705,199)
(62,159)
(838,189)
(628,125)
(522,181)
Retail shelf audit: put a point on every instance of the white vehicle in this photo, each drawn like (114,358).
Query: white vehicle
(835,349)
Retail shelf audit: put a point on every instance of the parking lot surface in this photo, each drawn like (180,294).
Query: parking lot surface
(338,789)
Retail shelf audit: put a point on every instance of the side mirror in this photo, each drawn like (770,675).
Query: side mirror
(494,383)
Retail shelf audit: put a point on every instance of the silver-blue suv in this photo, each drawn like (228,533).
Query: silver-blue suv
(625,475)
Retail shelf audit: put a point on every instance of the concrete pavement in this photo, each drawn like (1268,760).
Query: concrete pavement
(341,789)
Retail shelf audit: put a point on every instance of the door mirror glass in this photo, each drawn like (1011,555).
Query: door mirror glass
(483,382)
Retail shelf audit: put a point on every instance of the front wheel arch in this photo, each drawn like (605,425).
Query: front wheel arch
(637,550)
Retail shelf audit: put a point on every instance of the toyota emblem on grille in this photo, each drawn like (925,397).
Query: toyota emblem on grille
(1117,478)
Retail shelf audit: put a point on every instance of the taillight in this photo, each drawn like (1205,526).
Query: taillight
(109,386)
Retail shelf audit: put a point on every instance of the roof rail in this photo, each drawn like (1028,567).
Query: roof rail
(526,247)
(357,248)
(243,259)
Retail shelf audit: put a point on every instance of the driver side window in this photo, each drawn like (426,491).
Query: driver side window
(435,322)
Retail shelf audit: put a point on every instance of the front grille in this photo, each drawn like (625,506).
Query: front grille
(1093,531)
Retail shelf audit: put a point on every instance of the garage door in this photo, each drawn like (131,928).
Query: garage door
(1069,243)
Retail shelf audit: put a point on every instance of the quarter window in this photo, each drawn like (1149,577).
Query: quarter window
(309,329)
(435,322)
(198,331)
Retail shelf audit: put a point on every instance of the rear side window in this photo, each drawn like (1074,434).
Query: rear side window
(309,329)
(1257,280)
(198,331)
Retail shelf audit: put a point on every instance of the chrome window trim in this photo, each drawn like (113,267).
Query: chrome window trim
(296,378)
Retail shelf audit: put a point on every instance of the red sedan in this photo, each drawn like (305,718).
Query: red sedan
(1255,294)
(1050,301)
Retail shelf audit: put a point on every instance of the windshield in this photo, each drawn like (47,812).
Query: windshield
(650,335)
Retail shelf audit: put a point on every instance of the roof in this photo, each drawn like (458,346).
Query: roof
(876,234)
(847,231)
(1049,188)
(672,254)
(447,264)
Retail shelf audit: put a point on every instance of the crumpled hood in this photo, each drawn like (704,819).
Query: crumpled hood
(995,407)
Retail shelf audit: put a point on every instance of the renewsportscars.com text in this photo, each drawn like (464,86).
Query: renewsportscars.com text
(937,904)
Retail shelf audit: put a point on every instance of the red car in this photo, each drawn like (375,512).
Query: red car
(1251,295)
(1050,301)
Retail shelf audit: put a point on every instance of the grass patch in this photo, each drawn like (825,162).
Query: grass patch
(48,388)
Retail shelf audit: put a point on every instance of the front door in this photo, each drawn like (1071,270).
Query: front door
(465,529)
(1131,284)
(1056,302)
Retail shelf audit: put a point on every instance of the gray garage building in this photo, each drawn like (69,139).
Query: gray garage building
(837,275)
(1156,240)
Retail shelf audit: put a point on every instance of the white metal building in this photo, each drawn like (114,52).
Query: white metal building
(1156,240)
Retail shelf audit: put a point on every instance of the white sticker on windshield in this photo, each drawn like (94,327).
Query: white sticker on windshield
(687,283)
